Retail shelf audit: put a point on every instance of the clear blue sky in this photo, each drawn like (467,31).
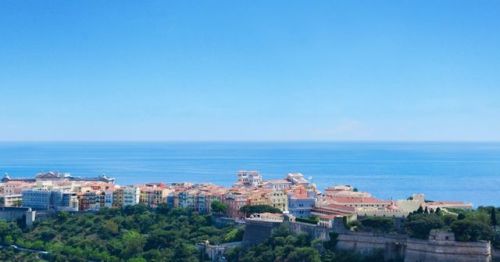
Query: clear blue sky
(249,70)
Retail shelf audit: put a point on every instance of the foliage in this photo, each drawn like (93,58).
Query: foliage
(310,220)
(354,225)
(218,207)
(419,225)
(248,209)
(470,230)
(9,232)
(493,217)
(377,224)
(138,233)
(467,225)
(134,233)
(235,234)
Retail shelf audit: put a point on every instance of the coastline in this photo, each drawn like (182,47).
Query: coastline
(462,171)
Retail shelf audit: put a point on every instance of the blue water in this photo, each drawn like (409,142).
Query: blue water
(443,171)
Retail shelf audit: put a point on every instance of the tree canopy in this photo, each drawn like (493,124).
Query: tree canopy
(135,233)
(248,209)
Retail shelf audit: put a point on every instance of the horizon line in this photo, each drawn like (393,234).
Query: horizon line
(250,141)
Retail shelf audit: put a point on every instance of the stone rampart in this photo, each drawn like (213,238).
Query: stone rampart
(447,251)
(319,232)
(393,246)
(258,231)
(415,250)
(367,243)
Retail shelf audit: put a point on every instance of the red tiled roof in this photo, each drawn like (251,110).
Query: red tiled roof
(361,200)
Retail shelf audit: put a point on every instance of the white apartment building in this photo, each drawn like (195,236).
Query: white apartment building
(249,178)
(131,195)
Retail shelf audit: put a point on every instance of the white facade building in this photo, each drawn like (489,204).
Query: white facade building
(249,178)
(131,196)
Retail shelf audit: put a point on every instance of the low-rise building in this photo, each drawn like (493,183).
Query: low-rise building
(69,202)
(89,201)
(300,202)
(14,187)
(11,200)
(154,194)
(16,213)
(297,179)
(328,213)
(249,178)
(235,200)
(41,198)
(278,184)
(259,196)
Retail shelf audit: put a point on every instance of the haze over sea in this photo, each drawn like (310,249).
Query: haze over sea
(443,171)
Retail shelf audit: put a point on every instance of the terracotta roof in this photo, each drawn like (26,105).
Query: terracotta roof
(361,200)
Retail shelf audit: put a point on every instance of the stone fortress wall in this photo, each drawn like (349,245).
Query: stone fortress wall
(393,246)
(322,233)
(441,246)
(447,251)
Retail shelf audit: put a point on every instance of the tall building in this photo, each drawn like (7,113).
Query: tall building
(131,196)
(279,199)
(108,198)
(118,197)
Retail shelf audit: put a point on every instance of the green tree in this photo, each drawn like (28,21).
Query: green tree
(378,224)
(133,243)
(249,209)
(9,232)
(469,230)
(493,216)
(235,234)
(303,254)
(112,227)
(218,207)
(420,225)
(137,259)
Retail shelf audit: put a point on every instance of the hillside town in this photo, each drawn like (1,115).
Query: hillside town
(294,195)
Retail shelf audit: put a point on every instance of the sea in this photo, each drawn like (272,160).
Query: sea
(442,171)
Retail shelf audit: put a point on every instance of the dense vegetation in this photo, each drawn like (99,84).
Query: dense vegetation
(287,246)
(138,233)
(310,220)
(135,233)
(248,209)
(467,225)
(218,207)
(376,224)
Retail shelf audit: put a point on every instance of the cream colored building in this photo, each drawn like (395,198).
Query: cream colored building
(279,199)
(11,200)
